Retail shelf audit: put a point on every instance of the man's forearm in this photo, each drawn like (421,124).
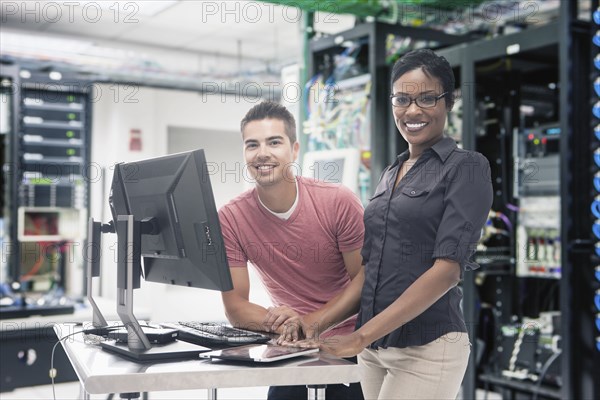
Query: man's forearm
(247,315)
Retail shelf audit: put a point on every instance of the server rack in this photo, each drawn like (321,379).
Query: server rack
(565,43)
(47,170)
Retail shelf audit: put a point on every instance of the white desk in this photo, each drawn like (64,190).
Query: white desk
(26,345)
(83,313)
(101,372)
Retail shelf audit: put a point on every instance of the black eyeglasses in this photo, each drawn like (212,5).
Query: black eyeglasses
(423,101)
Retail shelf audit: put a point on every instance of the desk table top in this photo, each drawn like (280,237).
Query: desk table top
(104,372)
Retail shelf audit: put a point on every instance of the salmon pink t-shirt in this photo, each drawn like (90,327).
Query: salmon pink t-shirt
(299,260)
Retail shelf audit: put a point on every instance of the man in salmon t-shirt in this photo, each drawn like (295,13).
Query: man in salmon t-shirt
(303,237)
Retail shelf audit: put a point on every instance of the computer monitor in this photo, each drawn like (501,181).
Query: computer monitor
(163,212)
(175,190)
(336,165)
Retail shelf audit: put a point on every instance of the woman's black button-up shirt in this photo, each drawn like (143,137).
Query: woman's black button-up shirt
(437,211)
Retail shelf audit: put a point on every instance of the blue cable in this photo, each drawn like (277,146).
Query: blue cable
(596,229)
(307,88)
(596,208)
(596,109)
(596,39)
(597,157)
(595,204)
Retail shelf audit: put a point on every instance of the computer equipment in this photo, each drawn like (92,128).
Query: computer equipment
(335,166)
(259,353)
(163,211)
(154,335)
(182,244)
(212,334)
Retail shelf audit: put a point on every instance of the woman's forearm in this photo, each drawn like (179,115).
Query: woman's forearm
(421,295)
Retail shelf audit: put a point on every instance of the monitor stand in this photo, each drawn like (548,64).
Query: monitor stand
(138,347)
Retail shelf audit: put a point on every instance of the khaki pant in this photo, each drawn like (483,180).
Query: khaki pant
(431,371)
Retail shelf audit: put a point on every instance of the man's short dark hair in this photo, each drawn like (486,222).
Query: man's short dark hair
(432,65)
(272,110)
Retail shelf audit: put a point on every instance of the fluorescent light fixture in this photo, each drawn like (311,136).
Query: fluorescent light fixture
(55,76)
(133,8)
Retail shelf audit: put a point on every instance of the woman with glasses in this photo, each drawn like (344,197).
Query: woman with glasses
(422,226)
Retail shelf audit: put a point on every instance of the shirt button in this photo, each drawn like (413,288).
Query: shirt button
(412,192)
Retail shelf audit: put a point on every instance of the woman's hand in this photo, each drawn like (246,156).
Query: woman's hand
(340,346)
(343,346)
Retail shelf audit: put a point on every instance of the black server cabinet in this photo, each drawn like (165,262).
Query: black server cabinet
(46,160)
(526,107)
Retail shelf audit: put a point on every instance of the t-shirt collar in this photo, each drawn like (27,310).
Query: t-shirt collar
(284,215)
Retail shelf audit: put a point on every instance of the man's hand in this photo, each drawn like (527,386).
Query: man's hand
(305,327)
(278,316)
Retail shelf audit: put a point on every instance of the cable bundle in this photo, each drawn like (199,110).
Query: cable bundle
(595,207)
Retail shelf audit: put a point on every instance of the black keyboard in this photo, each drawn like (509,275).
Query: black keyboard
(211,334)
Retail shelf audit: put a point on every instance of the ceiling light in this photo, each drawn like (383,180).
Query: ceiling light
(131,9)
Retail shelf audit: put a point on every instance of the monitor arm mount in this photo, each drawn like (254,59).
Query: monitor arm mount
(129,271)
(93,255)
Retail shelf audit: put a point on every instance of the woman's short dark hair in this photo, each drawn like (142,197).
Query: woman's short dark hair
(272,110)
(432,65)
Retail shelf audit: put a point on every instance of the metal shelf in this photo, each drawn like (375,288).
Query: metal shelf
(521,386)
(53,160)
(53,142)
(54,125)
(76,107)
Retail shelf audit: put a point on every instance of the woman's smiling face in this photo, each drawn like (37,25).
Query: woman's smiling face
(421,127)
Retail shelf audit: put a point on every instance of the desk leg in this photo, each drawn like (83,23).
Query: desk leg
(82,393)
(316,392)
(212,394)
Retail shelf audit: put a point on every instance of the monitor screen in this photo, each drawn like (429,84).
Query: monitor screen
(335,166)
(187,246)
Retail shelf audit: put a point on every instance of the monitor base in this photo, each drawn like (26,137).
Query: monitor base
(173,350)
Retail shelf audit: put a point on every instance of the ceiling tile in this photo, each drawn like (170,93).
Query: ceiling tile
(152,36)
(265,31)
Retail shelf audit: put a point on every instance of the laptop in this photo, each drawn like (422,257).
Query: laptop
(261,353)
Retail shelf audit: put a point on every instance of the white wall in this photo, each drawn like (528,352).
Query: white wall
(117,110)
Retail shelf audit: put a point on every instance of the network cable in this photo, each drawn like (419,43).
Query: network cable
(544,371)
(91,331)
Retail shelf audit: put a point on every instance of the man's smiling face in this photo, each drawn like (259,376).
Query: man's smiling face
(268,151)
